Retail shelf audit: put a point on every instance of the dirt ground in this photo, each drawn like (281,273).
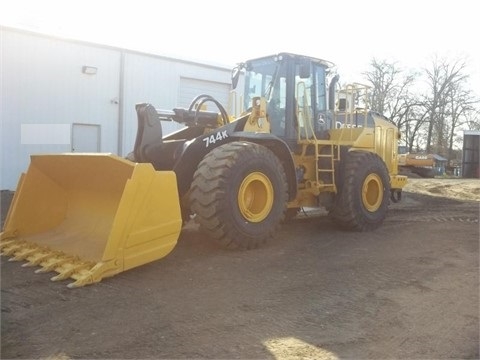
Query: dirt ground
(409,290)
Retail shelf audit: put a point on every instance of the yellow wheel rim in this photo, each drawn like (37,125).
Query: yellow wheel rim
(372,192)
(255,197)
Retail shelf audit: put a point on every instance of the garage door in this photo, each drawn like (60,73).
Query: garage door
(190,88)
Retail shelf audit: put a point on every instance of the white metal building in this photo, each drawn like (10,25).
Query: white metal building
(60,95)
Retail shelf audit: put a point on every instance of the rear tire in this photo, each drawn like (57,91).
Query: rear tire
(239,194)
(363,197)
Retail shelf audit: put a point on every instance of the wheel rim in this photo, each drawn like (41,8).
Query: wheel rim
(255,197)
(372,192)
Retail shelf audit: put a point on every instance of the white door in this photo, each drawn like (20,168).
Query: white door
(85,138)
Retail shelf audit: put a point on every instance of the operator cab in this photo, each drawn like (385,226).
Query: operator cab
(295,89)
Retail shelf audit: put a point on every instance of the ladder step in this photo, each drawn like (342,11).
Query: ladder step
(333,156)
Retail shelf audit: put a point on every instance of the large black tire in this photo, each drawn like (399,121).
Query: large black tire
(239,194)
(363,195)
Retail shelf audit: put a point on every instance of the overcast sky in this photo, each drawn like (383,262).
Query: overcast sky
(349,33)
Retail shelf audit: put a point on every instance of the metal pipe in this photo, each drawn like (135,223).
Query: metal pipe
(121,103)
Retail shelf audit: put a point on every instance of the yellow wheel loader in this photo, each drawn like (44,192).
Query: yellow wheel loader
(299,143)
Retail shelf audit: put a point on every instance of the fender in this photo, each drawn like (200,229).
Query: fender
(195,150)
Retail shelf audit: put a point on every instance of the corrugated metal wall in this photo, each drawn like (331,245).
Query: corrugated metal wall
(158,81)
(44,86)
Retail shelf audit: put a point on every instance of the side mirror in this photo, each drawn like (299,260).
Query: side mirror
(236,74)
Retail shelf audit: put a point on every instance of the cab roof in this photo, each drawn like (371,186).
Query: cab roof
(323,62)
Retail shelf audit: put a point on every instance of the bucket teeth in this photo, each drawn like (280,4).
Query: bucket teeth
(6,243)
(11,248)
(23,254)
(80,283)
(50,260)
(68,270)
(53,263)
(38,257)
(89,276)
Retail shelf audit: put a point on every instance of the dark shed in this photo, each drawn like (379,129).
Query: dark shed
(471,154)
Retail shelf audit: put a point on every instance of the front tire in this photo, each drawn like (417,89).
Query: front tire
(362,199)
(239,194)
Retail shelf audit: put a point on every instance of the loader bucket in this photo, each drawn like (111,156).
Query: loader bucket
(91,216)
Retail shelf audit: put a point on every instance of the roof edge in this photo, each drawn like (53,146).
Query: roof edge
(116,48)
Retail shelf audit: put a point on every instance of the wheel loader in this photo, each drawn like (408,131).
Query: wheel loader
(299,142)
(421,164)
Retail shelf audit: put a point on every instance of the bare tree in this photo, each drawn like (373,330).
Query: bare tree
(442,79)
(429,120)
(414,122)
(382,76)
(472,119)
(392,96)
(460,103)
(390,87)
